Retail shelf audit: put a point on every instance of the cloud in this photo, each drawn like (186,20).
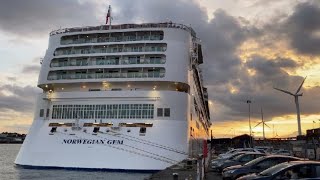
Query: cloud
(270,68)
(38,17)
(17,98)
(221,38)
(11,78)
(226,75)
(226,71)
(302,27)
(35,69)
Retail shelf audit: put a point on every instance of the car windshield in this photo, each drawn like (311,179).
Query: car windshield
(261,150)
(255,161)
(239,157)
(274,169)
(235,156)
(231,151)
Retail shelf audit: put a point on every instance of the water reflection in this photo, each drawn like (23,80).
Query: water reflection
(9,171)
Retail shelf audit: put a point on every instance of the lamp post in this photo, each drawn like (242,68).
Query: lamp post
(249,102)
(313,124)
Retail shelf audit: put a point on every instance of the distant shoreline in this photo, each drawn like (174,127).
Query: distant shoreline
(11,138)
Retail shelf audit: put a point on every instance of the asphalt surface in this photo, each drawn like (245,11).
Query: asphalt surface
(212,175)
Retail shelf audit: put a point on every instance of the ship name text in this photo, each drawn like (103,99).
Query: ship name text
(92,141)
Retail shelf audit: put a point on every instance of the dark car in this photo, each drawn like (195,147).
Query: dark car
(216,162)
(255,166)
(239,160)
(288,170)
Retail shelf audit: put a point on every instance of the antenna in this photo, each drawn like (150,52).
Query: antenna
(263,124)
(109,17)
(296,100)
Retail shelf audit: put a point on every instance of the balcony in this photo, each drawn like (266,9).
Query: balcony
(105,39)
(105,75)
(110,49)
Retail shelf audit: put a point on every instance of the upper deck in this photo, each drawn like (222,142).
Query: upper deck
(124,26)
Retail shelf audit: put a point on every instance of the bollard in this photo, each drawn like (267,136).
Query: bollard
(175,176)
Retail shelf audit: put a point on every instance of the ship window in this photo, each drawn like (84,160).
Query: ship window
(110,111)
(41,112)
(159,112)
(48,112)
(166,112)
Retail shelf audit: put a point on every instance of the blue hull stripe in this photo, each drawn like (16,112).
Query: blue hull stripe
(87,169)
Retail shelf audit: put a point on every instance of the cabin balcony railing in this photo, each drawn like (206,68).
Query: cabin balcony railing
(106,75)
(107,62)
(107,39)
(109,50)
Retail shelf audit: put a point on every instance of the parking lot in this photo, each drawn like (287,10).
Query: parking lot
(251,163)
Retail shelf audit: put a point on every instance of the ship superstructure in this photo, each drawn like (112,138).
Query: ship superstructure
(126,97)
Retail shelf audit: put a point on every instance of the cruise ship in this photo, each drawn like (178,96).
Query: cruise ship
(119,97)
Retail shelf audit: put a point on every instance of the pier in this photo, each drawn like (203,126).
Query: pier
(189,169)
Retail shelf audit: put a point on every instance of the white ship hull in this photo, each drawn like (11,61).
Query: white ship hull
(134,101)
(65,151)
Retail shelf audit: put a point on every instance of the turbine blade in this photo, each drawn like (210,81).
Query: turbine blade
(258,124)
(287,92)
(266,125)
(301,85)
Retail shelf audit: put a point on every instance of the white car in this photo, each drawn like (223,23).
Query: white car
(229,153)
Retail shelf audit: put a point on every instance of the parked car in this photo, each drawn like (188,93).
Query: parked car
(215,162)
(266,149)
(282,152)
(288,170)
(238,160)
(255,166)
(227,154)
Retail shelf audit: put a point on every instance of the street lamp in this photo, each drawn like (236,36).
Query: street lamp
(248,102)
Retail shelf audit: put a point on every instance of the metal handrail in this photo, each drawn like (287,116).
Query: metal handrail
(125,26)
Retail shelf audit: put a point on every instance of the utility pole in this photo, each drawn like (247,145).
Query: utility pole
(250,132)
(264,136)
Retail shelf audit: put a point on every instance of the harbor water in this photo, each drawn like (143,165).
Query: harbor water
(9,171)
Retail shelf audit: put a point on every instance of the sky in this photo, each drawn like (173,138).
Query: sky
(249,47)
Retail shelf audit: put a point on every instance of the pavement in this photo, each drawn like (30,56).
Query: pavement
(212,175)
(183,172)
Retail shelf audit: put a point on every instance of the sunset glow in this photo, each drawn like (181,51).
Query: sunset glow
(247,51)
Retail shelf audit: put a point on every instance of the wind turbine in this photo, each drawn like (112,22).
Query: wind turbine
(263,124)
(296,100)
(275,136)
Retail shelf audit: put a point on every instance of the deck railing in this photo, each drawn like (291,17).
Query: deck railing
(106,62)
(125,26)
